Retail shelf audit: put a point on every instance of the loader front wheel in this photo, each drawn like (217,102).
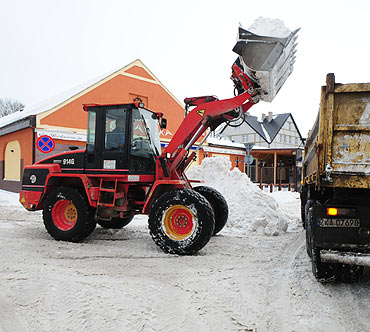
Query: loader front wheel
(181,222)
(67,216)
(218,204)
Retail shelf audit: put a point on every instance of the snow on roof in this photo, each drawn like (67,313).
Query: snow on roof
(224,142)
(257,147)
(51,102)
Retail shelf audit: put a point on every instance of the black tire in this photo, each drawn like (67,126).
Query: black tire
(304,210)
(67,217)
(303,196)
(116,223)
(307,227)
(351,273)
(218,204)
(181,221)
(323,272)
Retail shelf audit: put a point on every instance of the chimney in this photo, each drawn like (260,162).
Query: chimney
(269,116)
(263,116)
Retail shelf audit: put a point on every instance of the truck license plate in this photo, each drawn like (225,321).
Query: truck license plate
(326,222)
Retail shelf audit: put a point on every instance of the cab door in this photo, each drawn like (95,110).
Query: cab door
(107,140)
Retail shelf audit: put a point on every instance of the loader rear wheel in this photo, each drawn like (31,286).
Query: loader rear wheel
(67,216)
(218,204)
(181,222)
(116,223)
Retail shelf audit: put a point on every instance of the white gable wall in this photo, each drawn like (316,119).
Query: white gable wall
(288,136)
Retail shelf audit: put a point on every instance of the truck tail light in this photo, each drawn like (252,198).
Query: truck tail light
(344,212)
(332,211)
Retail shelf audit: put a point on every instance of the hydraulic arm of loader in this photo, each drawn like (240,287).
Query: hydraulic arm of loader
(205,115)
(263,65)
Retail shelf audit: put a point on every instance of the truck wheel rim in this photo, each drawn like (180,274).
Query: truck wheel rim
(64,214)
(179,222)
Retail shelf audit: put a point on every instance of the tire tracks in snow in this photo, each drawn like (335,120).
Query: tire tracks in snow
(9,320)
(304,304)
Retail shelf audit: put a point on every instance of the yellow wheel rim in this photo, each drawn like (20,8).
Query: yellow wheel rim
(70,213)
(179,222)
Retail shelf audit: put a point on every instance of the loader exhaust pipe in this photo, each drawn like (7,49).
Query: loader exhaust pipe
(267,61)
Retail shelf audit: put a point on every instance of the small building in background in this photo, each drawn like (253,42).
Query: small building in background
(277,146)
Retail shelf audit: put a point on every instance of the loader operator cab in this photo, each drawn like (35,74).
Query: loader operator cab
(121,139)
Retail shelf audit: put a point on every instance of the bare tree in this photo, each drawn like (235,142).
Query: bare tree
(8,106)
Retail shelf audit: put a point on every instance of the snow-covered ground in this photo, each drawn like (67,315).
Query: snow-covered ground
(245,279)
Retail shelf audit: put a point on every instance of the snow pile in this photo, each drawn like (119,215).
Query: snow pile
(265,26)
(250,209)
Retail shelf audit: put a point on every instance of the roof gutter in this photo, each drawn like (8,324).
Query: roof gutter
(29,122)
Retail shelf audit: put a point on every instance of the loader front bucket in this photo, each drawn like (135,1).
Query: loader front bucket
(267,61)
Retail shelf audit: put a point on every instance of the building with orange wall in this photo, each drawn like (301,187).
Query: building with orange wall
(63,119)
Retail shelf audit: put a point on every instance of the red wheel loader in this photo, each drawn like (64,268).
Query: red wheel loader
(123,172)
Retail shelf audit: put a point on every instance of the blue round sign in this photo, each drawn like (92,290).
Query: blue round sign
(248,159)
(45,144)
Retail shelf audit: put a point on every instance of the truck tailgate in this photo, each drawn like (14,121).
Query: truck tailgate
(351,130)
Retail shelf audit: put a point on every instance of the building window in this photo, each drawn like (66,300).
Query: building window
(296,141)
(245,139)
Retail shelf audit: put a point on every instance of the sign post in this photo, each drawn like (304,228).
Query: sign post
(248,159)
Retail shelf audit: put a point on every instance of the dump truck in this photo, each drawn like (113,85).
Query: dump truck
(123,170)
(335,192)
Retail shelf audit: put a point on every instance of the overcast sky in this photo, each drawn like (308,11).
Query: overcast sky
(50,46)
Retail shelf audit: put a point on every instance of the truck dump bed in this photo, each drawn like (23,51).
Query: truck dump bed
(337,151)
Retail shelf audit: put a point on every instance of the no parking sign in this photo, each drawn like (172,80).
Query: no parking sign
(45,144)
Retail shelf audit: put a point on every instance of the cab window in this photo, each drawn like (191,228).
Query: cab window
(115,129)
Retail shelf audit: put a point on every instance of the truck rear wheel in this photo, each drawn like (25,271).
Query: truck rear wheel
(323,272)
(67,216)
(181,222)
(307,226)
(116,223)
(303,197)
(218,204)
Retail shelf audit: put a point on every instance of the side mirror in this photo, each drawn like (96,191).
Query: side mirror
(163,123)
